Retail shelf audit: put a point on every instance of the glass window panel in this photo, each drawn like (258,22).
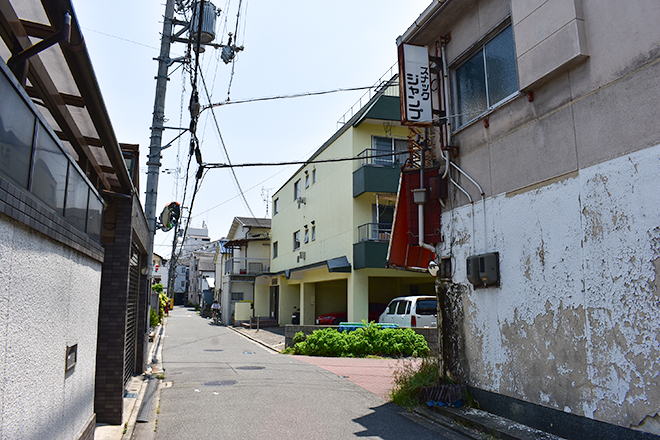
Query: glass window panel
(501,67)
(296,190)
(77,192)
(94,217)
(471,89)
(381,145)
(49,174)
(16,129)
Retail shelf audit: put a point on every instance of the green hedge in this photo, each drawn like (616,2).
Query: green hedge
(367,341)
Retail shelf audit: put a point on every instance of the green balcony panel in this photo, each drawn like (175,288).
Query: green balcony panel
(380,179)
(369,254)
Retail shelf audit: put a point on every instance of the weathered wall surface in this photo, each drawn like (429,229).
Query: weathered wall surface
(49,297)
(575,324)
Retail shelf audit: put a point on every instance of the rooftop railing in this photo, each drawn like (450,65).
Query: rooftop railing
(382,85)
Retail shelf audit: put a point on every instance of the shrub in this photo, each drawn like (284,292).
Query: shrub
(366,341)
(153,318)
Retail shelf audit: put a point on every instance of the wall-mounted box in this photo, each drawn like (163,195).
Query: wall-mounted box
(484,270)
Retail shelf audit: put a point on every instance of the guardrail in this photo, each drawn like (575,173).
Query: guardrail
(379,232)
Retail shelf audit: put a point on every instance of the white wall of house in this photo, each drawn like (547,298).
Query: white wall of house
(575,322)
(49,298)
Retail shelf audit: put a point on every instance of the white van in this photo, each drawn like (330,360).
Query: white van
(411,311)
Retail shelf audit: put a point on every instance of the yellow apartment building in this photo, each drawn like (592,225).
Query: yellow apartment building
(332,220)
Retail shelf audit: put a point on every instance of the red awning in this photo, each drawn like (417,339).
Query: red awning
(403,250)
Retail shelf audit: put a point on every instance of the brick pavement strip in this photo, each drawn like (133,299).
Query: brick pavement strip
(374,375)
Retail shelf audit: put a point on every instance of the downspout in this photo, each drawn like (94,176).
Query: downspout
(420,195)
(445,81)
(483,200)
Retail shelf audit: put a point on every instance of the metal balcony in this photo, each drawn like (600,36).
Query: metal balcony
(247,266)
(378,232)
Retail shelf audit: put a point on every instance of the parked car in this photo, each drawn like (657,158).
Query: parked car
(411,311)
(334,318)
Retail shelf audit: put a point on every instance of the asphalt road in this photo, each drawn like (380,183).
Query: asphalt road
(220,385)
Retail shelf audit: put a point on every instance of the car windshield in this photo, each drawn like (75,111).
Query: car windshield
(391,309)
(427,307)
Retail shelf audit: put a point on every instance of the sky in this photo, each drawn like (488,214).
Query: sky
(290,47)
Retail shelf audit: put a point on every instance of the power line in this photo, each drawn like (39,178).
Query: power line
(278,164)
(224,147)
(293,95)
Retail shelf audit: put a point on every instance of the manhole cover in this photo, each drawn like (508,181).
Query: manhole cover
(248,352)
(250,367)
(213,349)
(220,383)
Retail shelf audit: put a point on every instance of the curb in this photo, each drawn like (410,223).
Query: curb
(262,343)
(154,361)
(475,422)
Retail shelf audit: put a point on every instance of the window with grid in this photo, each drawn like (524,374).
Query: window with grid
(296,240)
(486,78)
(382,147)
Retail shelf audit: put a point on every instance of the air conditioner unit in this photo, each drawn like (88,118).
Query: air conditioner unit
(301,256)
(302,200)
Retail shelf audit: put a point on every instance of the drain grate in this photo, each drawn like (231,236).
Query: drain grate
(212,349)
(250,367)
(219,383)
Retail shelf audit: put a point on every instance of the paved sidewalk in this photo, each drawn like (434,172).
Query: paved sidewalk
(374,375)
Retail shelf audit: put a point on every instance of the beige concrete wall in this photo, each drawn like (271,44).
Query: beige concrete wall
(570,180)
(49,296)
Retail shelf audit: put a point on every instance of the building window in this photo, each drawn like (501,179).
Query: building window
(306,235)
(313,232)
(275,250)
(314,175)
(276,206)
(296,190)
(237,296)
(296,240)
(486,78)
(306,179)
(382,147)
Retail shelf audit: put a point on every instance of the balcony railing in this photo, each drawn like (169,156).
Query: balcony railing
(379,232)
(383,85)
(247,266)
(371,156)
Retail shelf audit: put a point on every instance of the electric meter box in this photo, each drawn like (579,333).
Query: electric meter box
(484,270)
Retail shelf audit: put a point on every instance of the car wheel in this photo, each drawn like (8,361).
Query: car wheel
(337,321)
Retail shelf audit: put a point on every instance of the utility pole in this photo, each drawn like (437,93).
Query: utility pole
(153,160)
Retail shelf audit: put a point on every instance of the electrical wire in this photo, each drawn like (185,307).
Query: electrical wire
(293,95)
(224,147)
(308,162)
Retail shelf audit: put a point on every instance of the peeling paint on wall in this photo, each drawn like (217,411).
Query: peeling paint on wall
(575,324)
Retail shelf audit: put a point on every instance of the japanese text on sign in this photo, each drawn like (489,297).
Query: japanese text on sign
(415,86)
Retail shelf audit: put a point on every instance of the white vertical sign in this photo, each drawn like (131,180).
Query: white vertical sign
(415,85)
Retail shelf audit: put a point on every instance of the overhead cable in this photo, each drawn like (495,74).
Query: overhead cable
(294,95)
(277,164)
